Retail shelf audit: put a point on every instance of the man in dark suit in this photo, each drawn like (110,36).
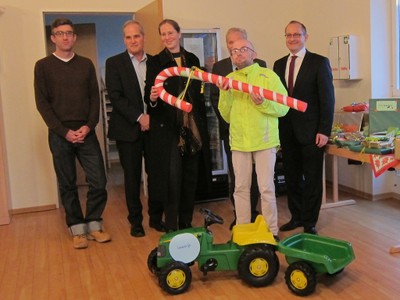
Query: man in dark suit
(129,122)
(304,135)
(223,68)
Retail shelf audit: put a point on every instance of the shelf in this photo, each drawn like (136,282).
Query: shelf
(110,145)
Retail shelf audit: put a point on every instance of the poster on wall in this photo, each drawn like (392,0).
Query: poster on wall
(383,114)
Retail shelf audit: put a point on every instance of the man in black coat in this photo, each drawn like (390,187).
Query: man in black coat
(129,122)
(223,68)
(304,135)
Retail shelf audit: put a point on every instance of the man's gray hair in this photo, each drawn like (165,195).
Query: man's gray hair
(237,29)
(134,22)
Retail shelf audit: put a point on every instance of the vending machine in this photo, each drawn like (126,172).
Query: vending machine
(205,43)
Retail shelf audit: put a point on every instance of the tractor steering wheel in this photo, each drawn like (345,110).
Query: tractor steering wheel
(210,218)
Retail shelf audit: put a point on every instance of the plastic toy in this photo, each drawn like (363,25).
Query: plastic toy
(212,78)
(251,251)
(308,255)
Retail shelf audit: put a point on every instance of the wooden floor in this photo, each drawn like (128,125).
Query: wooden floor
(37,260)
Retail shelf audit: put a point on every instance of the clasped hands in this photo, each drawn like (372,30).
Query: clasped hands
(77,136)
(144,122)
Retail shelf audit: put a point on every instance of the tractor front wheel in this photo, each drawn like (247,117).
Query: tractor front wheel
(175,278)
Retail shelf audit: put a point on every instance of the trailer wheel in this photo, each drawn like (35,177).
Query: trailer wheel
(301,278)
(258,265)
(152,262)
(175,277)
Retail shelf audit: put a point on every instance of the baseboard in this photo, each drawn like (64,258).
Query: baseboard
(342,188)
(367,196)
(5,220)
(33,209)
(386,196)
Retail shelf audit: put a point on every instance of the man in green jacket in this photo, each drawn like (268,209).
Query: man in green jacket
(254,134)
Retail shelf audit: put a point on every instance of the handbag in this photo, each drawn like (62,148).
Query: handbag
(189,137)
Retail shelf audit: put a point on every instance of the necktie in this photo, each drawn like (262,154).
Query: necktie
(291,72)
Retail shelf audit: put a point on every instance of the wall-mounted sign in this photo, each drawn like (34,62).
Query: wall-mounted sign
(386,105)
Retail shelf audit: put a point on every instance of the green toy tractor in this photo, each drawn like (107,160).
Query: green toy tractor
(251,251)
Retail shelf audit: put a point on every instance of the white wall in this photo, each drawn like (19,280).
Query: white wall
(22,43)
(265,22)
(22,40)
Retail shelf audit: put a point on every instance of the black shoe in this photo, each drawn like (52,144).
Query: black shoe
(137,231)
(290,225)
(185,225)
(310,230)
(159,226)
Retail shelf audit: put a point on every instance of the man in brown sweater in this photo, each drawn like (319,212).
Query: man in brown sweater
(67,97)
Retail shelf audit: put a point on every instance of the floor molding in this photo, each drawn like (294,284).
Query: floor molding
(368,196)
(342,188)
(33,209)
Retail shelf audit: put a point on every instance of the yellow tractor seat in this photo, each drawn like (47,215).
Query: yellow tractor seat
(253,233)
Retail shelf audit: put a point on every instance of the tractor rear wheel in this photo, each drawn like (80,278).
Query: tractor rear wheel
(152,262)
(301,278)
(258,265)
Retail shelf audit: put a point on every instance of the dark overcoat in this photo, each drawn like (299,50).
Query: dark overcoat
(164,121)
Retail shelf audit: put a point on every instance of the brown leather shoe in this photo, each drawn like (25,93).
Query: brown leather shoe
(99,236)
(80,241)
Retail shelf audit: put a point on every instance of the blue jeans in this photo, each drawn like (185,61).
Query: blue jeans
(91,159)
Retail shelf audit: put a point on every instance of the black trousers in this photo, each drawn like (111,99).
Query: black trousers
(303,167)
(182,179)
(130,156)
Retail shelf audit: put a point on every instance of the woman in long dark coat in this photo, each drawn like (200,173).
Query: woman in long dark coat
(178,141)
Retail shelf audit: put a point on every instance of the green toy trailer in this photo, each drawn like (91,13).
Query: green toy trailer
(308,255)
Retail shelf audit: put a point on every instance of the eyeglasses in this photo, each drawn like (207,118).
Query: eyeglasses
(294,35)
(236,51)
(62,33)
